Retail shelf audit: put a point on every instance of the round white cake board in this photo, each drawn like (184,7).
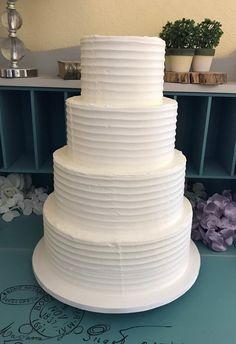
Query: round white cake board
(100,302)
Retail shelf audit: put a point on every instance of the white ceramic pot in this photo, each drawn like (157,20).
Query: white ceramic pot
(202,60)
(178,60)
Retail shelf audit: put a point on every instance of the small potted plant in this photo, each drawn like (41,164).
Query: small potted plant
(207,37)
(179,37)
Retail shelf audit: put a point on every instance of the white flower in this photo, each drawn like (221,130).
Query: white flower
(19,196)
(8,191)
(4,209)
(8,216)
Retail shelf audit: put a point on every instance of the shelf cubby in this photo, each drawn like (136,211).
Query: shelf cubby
(192,124)
(171,96)
(72,94)
(1,158)
(215,185)
(49,126)
(16,131)
(43,179)
(33,126)
(234,161)
(219,160)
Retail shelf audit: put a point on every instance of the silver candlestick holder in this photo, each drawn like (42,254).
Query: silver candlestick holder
(13,48)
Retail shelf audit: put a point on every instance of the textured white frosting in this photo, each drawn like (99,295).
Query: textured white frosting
(121,137)
(118,262)
(122,71)
(117,222)
(95,198)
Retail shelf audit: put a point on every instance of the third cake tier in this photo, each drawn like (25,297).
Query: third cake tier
(103,198)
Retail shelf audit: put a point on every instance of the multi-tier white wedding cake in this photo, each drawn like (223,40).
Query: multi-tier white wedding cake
(117,227)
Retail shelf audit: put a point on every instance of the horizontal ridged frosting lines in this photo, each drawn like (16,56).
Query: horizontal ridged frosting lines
(122,71)
(95,198)
(117,224)
(127,265)
(121,137)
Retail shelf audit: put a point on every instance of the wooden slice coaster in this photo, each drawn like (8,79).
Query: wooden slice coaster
(202,78)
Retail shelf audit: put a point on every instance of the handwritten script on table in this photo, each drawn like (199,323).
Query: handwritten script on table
(29,315)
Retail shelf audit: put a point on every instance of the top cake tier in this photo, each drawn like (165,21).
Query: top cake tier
(122,71)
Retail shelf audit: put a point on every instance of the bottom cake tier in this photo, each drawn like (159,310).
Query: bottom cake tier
(115,272)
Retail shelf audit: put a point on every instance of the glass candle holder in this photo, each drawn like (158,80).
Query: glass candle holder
(13,48)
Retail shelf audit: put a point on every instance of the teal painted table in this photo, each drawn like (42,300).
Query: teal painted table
(204,315)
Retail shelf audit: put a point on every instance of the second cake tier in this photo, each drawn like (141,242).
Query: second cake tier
(124,137)
(108,199)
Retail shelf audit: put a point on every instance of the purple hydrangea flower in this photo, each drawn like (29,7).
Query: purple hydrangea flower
(201,204)
(227,194)
(209,221)
(196,235)
(228,235)
(212,208)
(220,241)
(230,212)
(214,220)
(219,200)
(225,223)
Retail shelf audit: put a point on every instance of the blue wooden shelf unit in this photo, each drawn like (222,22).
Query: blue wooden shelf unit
(32,126)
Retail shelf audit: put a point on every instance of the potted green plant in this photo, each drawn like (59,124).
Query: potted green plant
(207,38)
(180,40)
